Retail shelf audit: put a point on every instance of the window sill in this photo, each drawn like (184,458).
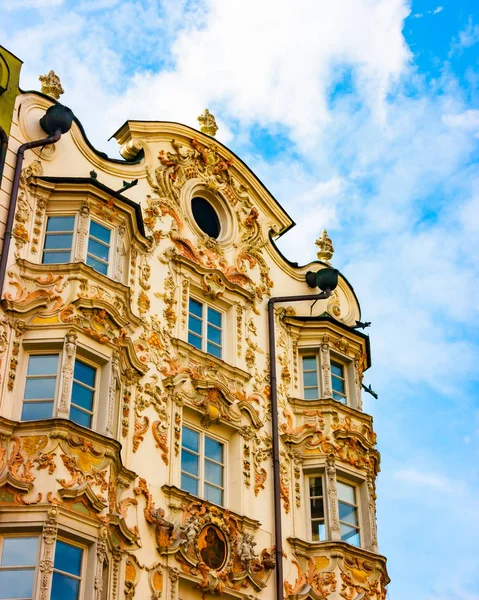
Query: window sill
(339,549)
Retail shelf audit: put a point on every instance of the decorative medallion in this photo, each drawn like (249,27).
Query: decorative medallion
(212,547)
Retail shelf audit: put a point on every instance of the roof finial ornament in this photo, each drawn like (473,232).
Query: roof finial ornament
(51,85)
(325,246)
(208,123)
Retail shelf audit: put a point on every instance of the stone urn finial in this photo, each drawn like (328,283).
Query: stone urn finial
(208,123)
(51,85)
(325,247)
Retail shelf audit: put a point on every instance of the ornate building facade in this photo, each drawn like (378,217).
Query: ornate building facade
(147,447)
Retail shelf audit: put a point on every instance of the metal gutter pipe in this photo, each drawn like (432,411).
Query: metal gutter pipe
(3,151)
(57,120)
(278,530)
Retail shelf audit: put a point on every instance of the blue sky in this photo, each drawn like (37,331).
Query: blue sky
(361,116)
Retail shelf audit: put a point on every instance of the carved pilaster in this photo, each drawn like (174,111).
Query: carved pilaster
(82,233)
(112,388)
(120,253)
(50,532)
(332,493)
(372,513)
(100,559)
(174,575)
(325,359)
(357,382)
(115,575)
(66,383)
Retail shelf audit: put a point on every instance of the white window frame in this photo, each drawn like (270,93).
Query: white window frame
(346,364)
(341,478)
(310,476)
(24,534)
(83,568)
(346,371)
(204,319)
(113,239)
(79,356)
(202,459)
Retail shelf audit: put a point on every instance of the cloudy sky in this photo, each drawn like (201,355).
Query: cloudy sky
(361,116)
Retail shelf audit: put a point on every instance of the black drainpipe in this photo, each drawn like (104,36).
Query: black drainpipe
(3,151)
(278,530)
(57,120)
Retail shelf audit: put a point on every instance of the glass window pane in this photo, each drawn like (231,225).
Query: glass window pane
(55,258)
(337,369)
(97,265)
(68,558)
(84,373)
(194,340)
(317,508)
(315,486)
(338,397)
(347,513)
(350,535)
(189,462)
(195,325)
(213,473)
(60,223)
(310,379)
(213,494)
(214,317)
(58,240)
(309,363)
(311,394)
(189,484)
(40,388)
(64,587)
(98,249)
(318,531)
(213,449)
(100,232)
(214,335)
(16,584)
(19,551)
(82,396)
(80,417)
(44,364)
(214,350)
(346,492)
(32,411)
(196,308)
(190,439)
(338,384)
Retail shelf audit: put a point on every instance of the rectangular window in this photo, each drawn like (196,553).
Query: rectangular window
(205,328)
(202,465)
(18,559)
(40,387)
(83,393)
(58,243)
(338,381)
(316,503)
(98,251)
(310,377)
(348,513)
(67,572)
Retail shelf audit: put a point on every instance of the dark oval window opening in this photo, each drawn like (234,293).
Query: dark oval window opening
(205,217)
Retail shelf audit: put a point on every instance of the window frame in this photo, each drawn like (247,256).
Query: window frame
(205,306)
(346,370)
(346,365)
(17,535)
(201,463)
(83,567)
(357,506)
(309,354)
(113,228)
(356,484)
(80,356)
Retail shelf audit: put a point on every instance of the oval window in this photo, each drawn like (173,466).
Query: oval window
(205,217)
